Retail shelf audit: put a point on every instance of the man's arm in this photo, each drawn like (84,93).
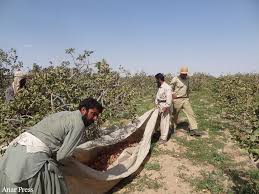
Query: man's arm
(72,139)
(168,92)
(173,84)
(156,100)
(168,96)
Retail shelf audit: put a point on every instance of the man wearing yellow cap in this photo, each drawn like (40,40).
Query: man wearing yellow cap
(180,93)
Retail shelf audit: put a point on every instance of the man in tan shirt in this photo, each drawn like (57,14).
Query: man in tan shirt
(163,101)
(180,94)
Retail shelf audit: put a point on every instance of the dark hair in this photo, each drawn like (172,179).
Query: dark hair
(160,76)
(89,103)
(22,83)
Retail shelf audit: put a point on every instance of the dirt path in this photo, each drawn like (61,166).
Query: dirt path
(171,170)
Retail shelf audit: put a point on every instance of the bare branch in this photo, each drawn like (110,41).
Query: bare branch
(51,102)
(17,120)
(64,105)
(102,94)
(26,116)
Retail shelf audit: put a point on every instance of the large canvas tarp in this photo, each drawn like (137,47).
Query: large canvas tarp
(82,179)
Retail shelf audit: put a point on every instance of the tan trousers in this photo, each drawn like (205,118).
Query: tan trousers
(184,104)
(165,123)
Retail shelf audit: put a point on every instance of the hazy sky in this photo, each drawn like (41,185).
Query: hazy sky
(213,36)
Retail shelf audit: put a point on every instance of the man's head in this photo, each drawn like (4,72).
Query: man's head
(19,80)
(184,72)
(90,110)
(160,78)
(22,83)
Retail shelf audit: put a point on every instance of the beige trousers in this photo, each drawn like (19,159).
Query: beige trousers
(165,123)
(184,104)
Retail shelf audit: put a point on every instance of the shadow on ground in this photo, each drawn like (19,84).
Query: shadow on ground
(244,183)
(183,125)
